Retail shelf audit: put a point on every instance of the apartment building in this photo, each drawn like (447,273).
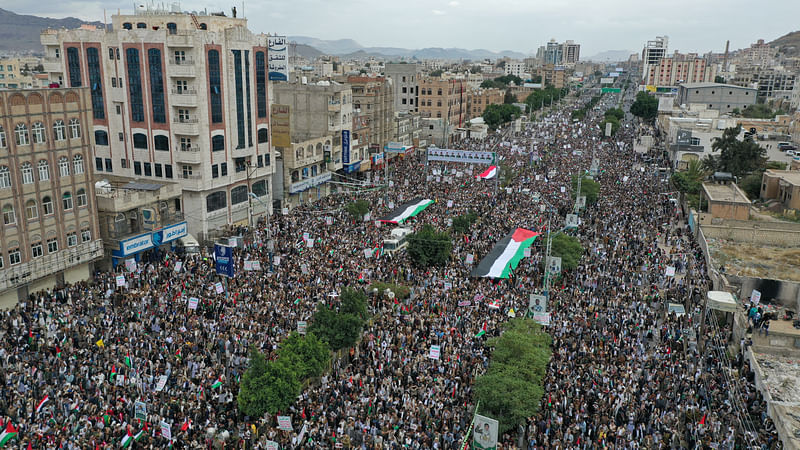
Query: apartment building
(372,97)
(516,68)
(49,235)
(445,99)
(17,73)
(570,53)
(652,53)
(175,96)
(479,99)
(773,83)
(405,86)
(680,68)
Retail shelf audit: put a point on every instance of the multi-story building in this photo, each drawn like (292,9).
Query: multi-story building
(758,54)
(175,96)
(516,68)
(479,99)
(653,52)
(405,86)
(372,96)
(49,233)
(18,73)
(772,83)
(570,53)
(553,52)
(680,69)
(407,128)
(722,97)
(445,99)
(323,69)
(783,185)
(551,75)
(304,174)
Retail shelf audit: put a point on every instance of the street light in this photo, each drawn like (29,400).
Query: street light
(270,243)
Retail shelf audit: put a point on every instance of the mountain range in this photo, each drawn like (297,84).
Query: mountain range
(20,33)
(609,56)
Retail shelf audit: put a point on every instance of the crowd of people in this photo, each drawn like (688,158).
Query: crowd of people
(158,359)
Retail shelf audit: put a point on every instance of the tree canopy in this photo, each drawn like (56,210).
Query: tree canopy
(358,208)
(462,223)
(268,386)
(341,328)
(502,82)
(543,97)
(589,188)
(494,115)
(760,111)
(429,247)
(645,107)
(511,389)
(740,158)
(568,248)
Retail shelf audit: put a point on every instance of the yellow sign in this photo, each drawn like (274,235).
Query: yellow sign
(650,88)
(281,126)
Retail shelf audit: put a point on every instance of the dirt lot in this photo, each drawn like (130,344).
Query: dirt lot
(759,261)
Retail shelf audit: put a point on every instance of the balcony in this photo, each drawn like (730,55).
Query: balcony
(50,264)
(52,65)
(180,40)
(181,68)
(192,182)
(184,97)
(334,106)
(187,125)
(188,154)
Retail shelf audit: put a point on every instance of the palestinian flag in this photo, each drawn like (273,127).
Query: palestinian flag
(41,404)
(407,211)
(113,374)
(494,304)
(489,173)
(217,383)
(8,434)
(129,438)
(483,330)
(128,360)
(505,256)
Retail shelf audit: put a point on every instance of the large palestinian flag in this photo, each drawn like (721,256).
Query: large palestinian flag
(505,256)
(489,173)
(407,210)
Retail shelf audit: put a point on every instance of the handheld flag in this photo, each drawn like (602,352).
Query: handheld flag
(128,360)
(483,330)
(217,383)
(8,434)
(41,403)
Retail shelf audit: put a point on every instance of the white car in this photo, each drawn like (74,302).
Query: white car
(792,153)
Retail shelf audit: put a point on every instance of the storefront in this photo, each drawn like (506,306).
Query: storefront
(134,247)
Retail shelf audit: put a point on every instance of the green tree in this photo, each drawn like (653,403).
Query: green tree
(589,188)
(462,223)
(740,158)
(568,248)
(511,389)
(494,115)
(429,247)
(338,330)
(719,79)
(436,73)
(760,111)
(475,69)
(618,113)
(267,387)
(353,302)
(690,181)
(358,209)
(309,354)
(751,185)
(645,107)
(614,125)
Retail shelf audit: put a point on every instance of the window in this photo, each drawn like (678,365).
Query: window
(172,27)
(214,86)
(247,97)
(66,201)
(183,115)
(3,143)
(260,188)
(223,169)
(5,177)
(186,143)
(214,171)
(86,235)
(111,53)
(31,211)
(135,85)
(216,201)
(161,143)
(59,130)
(140,141)
(241,166)
(127,26)
(9,218)
(74,128)
(238,195)
(141,25)
(168,170)
(63,166)
(180,56)
(95,82)
(36,250)
(52,245)
(1,261)
(21,133)
(81,197)
(237,79)
(98,164)
(182,87)
(74,67)
(47,206)
(261,86)
(148,170)
(137,168)
(77,164)
(123,163)
(217,143)
(109,165)
(100,137)
(121,136)
(260,160)
(157,168)
(72,239)
(187,171)
(44,170)
(38,133)
(14,257)
(263,135)
(156,85)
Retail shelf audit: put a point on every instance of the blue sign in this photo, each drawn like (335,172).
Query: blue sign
(223,256)
(345,146)
(354,167)
(149,240)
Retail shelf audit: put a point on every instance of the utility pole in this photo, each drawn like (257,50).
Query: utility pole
(250,199)
(547,258)
(386,175)
(576,208)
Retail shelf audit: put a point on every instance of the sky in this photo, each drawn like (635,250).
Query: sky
(519,25)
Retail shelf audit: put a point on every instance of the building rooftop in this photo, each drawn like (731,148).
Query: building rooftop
(707,85)
(790,176)
(729,193)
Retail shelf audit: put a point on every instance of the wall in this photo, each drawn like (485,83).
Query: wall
(787,293)
(763,233)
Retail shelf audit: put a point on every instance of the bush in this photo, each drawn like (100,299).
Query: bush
(429,247)
(751,185)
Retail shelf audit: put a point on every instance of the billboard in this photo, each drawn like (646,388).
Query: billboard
(613,74)
(281,122)
(345,146)
(537,304)
(684,137)
(610,90)
(152,239)
(223,256)
(484,434)
(278,58)
(462,156)
(606,81)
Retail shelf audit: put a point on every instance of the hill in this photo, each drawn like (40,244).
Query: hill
(788,44)
(610,56)
(20,33)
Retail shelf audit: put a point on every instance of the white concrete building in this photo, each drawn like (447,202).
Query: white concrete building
(405,85)
(176,96)
(516,68)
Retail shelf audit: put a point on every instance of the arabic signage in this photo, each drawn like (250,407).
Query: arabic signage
(281,125)
(223,256)
(345,146)
(301,186)
(278,58)
(149,240)
(462,156)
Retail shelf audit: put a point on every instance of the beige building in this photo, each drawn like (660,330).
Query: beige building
(680,69)
(479,99)
(783,185)
(726,201)
(49,235)
(305,178)
(444,99)
(372,96)
(18,73)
